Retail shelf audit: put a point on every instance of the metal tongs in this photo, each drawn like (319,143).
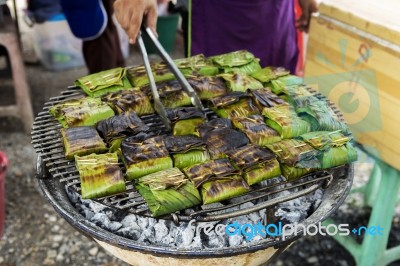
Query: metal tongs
(158,106)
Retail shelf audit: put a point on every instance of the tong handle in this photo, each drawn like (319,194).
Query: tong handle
(175,70)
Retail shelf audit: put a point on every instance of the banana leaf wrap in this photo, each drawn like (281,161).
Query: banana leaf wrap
(257,164)
(285,121)
(292,173)
(267,74)
(297,153)
(143,156)
(98,84)
(256,130)
(185,120)
(171,94)
(81,141)
(81,112)
(234,104)
(208,88)
(116,128)
(336,149)
(223,189)
(240,82)
(197,64)
(318,114)
(279,84)
(233,59)
(100,175)
(249,68)
(265,98)
(209,171)
(186,150)
(138,76)
(216,123)
(167,191)
(132,100)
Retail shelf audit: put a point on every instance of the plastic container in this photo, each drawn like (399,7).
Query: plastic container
(166,29)
(3,170)
(55,45)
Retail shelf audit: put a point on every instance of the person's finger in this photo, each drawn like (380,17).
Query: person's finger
(151,18)
(134,27)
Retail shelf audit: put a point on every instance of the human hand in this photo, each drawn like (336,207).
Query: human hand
(130,14)
(307,8)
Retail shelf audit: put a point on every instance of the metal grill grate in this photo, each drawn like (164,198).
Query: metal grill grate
(46,140)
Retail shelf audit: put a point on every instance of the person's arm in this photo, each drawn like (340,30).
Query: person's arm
(130,14)
(307,7)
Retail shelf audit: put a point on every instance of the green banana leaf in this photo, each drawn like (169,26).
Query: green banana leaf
(172,94)
(240,82)
(223,189)
(292,173)
(265,98)
(167,191)
(213,124)
(256,130)
(279,84)
(81,112)
(261,172)
(119,127)
(322,140)
(143,155)
(132,100)
(185,120)
(212,170)
(233,59)
(98,84)
(197,64)
(234,104)
(208,88)
(81,141)
(285,121)
(269,73)
(249,68)
(100,175)
(318,114)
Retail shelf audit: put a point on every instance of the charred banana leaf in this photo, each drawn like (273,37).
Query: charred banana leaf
(249,68)
(238,61)
(208,88)
(336,149)
(224,188)
(81,141)
(292,173)
(265,98)
(138,76)
(285,121)
(256,130)
(279,84)
(197,64)
(208,171)
(235,104)
(143,156)
(100,175)
(185,120)
(267,74)
(214,124)
(132,100)
(81,112)
(186,150)
(167,191)
(240,82)
(171,94)
(257,164)
(98,84)
(116,128)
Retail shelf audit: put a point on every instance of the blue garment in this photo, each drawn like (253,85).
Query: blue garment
(44,10)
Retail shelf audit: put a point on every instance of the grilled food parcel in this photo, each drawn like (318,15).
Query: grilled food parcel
(265,124)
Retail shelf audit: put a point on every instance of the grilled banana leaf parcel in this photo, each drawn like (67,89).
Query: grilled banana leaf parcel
(185,120)
(234,104)
(296,157)
(279,84)
(265,98)
(197,64)
(100,175)
(98,84)
(81,141)
(167,191)
(186,150)
(240,82)
(116,128)
(257,164)
(81,112)
(285,121)
(143,155)
(171,94)
(336,149)
(318,114)
(208,88)
(132,100)
(256,130)
(233,59)
(267,74)
(214,124)
(138,76)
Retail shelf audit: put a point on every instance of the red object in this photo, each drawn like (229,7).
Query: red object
(3,170)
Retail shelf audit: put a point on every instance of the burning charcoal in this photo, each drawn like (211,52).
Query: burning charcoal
(143,222)
(129,220)
(215,241)
(185,236)
(255,217)
(114,226)
(101,219)
(88,213)
(129,232)
(197,243)
(96,207)
(148,235)
(257,238)
(161,230)
(235,240)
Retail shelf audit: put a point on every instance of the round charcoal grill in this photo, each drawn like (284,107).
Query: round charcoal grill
(55,174)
